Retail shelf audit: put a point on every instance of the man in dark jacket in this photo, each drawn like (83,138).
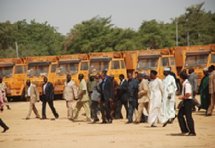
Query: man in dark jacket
(106,98)
(132,99)
(123,97)
(48,97)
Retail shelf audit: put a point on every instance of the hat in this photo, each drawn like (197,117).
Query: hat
(166,69)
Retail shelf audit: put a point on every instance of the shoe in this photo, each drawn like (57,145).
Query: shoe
(95,120)
(5,129)
(104,122)
(128,122)
(109,121)
(136,122)
(199,108)
(57,116)
(153,125)
(191,134)
(208,114)
(71,119)
(43,118)
(27,118)
(8,107)
(165,124)
(37,117)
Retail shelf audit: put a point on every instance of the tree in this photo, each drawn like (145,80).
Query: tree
(196,26)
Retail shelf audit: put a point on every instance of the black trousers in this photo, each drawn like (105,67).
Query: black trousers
(119,105)
(186,110)
(94,109)
(51,105)
(2,124)
(131,108)
(106,110)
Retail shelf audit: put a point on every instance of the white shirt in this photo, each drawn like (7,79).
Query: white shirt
(29,90)
(186,88)
(44,88)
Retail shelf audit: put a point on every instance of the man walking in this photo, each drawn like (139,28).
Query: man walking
(107,97)
(3,89)
(143,96)
(169,87)
(70,93)
(33,96)
(194,83)
(83,99)
(211,89)
(123,96)
(156,95)
(132,97)
(48,97)
(2,124)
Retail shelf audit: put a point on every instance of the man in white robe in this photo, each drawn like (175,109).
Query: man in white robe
(169,87)
(155,104)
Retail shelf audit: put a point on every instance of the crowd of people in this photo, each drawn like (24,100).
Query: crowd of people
(145,97)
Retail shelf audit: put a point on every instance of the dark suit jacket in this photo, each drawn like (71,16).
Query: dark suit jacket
(107,88)
(49,92)
(123,91)
(133,89)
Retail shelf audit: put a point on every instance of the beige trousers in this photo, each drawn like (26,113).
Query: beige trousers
(141,106)
(211,107)
(32,107)
(69,109)
(79,105)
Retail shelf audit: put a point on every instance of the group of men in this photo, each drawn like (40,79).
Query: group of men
(147,97)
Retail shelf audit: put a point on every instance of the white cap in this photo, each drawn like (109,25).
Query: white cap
(166,69)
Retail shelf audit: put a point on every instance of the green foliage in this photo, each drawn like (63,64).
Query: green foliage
(99,34)
(33,39)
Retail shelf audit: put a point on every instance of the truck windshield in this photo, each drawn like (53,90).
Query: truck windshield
(168,61)
(20,69)
(66,68)
(147,63)
(6,71)
(196,60)
(98,66)
(38,70)
(213,58)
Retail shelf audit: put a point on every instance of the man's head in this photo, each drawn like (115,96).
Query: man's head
(191,70)
(153,74)
(28,82)
(136,74)
(103,74)
(166,71)
(80,76)
(211,68)
(130,75)
(205,71)
(68,77)
(183,75)
(45,79)
(121,77)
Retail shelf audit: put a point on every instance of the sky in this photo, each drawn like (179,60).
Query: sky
(64,14)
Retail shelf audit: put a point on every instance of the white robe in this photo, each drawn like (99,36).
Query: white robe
(155,104)
(168,107)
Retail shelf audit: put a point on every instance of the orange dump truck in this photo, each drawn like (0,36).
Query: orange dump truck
(146,60)
(113,62)
(197,57)
(13,71)
(37,67)
(70,64)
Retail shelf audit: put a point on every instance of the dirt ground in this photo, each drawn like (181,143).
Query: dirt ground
(35,133)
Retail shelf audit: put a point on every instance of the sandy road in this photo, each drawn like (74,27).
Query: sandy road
(62,133)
